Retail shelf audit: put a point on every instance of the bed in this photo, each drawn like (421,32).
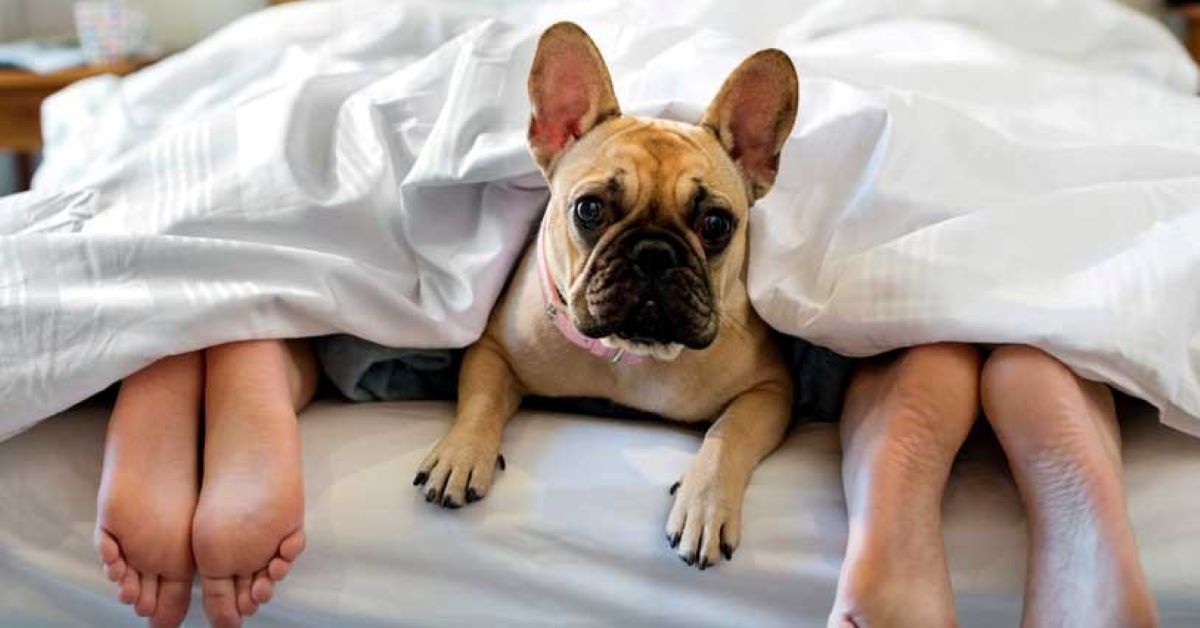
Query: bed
(340,151)
(572,533)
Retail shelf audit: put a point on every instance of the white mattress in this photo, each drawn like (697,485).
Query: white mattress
(572,533)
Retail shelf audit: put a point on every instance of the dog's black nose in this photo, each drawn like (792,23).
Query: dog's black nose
(653,257)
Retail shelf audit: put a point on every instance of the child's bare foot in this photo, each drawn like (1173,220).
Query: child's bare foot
(249,523)
(1060,434)
(903,423)
(148,488)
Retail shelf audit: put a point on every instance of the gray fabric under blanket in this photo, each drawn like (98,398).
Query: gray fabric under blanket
(365,371)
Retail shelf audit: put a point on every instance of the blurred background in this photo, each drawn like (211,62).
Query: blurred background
(40,52)
(170,25)
(173,24)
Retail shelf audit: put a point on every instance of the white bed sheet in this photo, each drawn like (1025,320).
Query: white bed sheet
(572,534)
(1016,172)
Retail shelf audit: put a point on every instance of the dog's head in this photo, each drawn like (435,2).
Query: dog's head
(646,225)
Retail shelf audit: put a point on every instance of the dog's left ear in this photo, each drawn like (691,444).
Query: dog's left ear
(753,114)
(570,90)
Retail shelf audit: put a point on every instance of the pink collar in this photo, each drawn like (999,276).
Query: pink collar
(556,310)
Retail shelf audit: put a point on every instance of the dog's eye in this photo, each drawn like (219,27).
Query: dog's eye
(589,212)
(715,228)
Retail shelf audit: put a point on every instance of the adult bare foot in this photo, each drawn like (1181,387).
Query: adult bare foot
(1063,445)
(149,486)
(902,425)
(249,523)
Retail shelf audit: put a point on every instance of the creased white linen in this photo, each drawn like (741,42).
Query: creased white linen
(571,534)
(1026,171)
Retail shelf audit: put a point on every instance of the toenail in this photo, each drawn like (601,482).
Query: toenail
(727,551)
(472,496)
(420,479)
(675,540)
(500,461)
(674,487)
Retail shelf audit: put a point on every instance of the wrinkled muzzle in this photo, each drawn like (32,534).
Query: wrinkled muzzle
(649,288)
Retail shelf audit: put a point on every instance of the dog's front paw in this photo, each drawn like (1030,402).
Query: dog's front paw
(460,469)
(706,520)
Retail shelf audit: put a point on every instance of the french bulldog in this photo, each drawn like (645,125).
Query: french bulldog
(634,290)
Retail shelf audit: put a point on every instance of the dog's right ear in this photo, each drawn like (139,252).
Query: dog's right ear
(753,114)
(570,91)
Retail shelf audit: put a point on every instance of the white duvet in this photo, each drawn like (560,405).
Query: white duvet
(1019,171)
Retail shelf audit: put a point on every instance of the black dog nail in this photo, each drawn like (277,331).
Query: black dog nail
(430,495)
(420,479)
(472,496)
(704,564)
(500,461)
(447,502)
(726,551)
(675,540)
(674,487)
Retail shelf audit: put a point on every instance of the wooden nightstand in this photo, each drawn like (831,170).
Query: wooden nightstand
(1189,11)
(21,96)
(1191,17)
